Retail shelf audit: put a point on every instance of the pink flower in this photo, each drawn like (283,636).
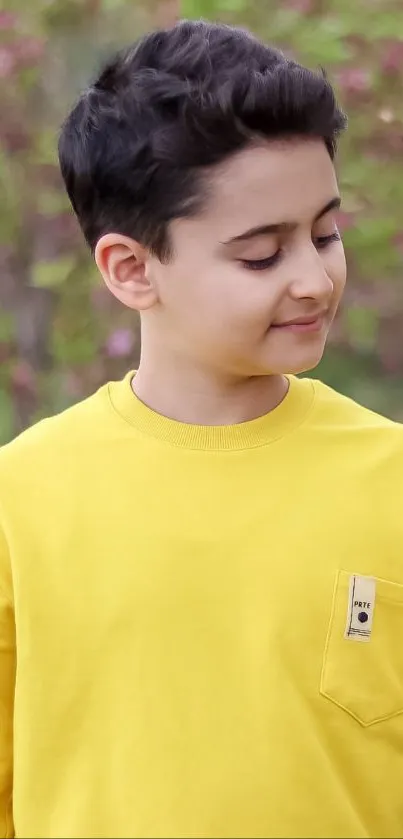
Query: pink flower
(8,20)
(7,62)
(392,57)
(355,80)
(28,50)
(345,221)
(23,377)
(73,385)
(304,7)
(398,242)
(120,343)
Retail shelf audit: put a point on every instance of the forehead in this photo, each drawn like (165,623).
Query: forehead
(270,183)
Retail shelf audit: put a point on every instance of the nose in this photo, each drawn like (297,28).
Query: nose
(309,278)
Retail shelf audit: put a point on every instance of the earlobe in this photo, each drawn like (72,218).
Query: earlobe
(123,264)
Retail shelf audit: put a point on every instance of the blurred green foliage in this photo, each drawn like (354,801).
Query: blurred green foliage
(61,335)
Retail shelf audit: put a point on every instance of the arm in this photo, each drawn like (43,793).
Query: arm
(7,680)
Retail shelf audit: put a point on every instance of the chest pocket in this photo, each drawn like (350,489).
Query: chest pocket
(366,678)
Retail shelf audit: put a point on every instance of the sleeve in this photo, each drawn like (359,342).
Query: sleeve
(7,682)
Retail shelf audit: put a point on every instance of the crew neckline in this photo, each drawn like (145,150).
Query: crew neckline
(283,419)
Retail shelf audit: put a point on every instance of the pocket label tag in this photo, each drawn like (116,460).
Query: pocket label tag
(360,610)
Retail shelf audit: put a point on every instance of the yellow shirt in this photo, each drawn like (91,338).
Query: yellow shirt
(209,623)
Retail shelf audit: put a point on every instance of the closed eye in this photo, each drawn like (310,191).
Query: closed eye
(261,264)
(320,243)
(323,241)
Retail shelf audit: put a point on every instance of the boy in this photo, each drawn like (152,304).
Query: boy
(202,565)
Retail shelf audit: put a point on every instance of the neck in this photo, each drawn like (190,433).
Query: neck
(198,398)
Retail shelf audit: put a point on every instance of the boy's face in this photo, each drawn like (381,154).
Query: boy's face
(226,296)
(255,279)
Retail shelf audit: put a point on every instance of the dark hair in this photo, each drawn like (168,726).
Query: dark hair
(135,147)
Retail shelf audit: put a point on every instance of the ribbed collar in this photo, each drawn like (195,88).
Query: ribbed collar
(287,416)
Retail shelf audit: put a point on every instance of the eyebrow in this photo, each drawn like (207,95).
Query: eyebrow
(283,226)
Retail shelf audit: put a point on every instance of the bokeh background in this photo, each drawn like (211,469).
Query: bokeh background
(61,334)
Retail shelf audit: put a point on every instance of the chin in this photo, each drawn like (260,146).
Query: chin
(294,365)
(302,368)
(292,353)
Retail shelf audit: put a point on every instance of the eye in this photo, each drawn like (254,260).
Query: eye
(260,264)
(323,241)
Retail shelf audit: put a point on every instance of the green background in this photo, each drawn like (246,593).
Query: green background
(61,334)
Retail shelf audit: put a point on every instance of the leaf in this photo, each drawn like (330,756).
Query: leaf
(78,350)
(204,8)
(113,5)
(52,202)
(6,416)
(372,242)
(234,6)
(362,326)
(9,206)
(52,274)
(45,151)
(7,327)
(326,48)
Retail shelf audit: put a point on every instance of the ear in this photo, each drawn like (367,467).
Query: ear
(123,264)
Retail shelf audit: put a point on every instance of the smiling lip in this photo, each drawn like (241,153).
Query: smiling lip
(311,323)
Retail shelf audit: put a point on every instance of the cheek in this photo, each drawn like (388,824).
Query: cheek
(229,295)
(336,269)
(252,309)
(221,300)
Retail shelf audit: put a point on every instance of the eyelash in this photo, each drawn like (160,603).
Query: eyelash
(261,264)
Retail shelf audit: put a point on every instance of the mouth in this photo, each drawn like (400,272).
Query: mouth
(312,323)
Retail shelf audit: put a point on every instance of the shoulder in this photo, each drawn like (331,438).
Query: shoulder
(346,411)
(354,428)
(343,412)
(50,470)
(54,441)
(55,464)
